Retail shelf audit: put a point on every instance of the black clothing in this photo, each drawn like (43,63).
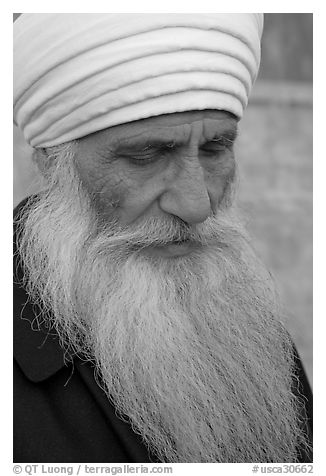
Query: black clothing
(60,412)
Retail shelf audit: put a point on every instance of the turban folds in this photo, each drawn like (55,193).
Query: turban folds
(78,73)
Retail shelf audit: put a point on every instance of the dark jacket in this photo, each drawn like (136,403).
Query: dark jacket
(60,412)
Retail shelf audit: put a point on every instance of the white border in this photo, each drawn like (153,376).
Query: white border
(319,197)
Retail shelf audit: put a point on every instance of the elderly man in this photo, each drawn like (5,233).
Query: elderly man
(146,329)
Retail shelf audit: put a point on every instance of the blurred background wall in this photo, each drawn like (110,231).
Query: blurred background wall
(274,153)
(275,161)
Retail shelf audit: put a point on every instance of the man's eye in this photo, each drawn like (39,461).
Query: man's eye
(149,154)
(217,146)
(144,157)
(142,160)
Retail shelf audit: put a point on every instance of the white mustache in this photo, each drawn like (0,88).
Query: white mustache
(160,232)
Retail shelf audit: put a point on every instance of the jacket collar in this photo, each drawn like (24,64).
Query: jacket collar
(37,349)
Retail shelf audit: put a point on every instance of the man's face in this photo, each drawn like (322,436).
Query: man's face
(177,164)
(189,349)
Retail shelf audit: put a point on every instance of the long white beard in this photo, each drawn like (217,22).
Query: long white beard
(190,350)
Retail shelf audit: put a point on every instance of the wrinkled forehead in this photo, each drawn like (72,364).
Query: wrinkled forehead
(179,128)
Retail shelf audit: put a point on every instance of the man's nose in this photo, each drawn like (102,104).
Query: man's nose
(187,196)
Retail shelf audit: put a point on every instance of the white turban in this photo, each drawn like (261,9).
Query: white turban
(78,73)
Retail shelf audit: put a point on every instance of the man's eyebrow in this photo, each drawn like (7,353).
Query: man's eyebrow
(229,134)
(141,142)
(160,139)
(123,145)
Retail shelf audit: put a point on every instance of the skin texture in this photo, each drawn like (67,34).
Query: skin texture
(175,164)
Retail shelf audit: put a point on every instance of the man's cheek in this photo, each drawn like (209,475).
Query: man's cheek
(226,171)
(107,195)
